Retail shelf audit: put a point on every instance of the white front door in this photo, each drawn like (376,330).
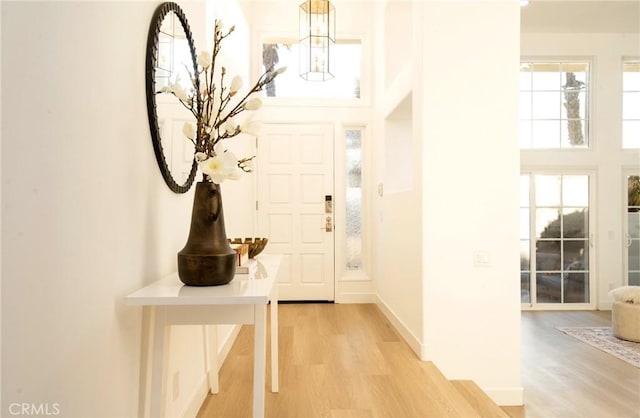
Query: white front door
(295,206)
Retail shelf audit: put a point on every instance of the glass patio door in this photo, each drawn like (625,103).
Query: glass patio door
(555,241)
(633,230)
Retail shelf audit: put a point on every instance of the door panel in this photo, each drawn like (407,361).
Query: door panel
(295,174)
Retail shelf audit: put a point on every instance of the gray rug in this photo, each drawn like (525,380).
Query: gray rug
(602,338)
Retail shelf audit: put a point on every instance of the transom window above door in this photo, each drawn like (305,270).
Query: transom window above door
(345,85)
(554,103)
(631,103)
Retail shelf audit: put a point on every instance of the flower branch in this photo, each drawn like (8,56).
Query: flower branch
(209,103)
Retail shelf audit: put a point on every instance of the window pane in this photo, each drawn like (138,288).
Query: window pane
(548,287)
(548,255)
(546,105)
(634,224)
(525,78)
(575,223)
(547,223)
(525,257)
(631,105)
(573,133)
(525,105)
(631,134)
(575,191)
(547,190)
(576,107)
(633,197)
(346,83)
(631,75)
(575,255)
(524,191)
(576,288)
(524,223)
(353,199)
(574,73)
(545,134)
(634,255)
(546,76)
(525,287)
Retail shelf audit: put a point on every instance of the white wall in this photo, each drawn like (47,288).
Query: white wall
(605,157)
(464,83)
(87,217)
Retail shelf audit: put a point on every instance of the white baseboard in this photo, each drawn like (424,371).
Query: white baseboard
(605,306)
(197,399)
(225,347)
(401,328)
(349,297)
(506,396)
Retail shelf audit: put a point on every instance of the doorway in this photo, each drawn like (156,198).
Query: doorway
(296,207)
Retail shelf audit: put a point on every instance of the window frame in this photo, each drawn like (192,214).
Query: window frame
(590,123)
(624,60)
(532,171)
(271,36)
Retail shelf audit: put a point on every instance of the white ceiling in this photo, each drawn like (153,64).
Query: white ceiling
(605,16)
(540,16)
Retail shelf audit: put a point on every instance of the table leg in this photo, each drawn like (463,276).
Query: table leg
(259,361)
(160,363)
(274,345)
(211,356)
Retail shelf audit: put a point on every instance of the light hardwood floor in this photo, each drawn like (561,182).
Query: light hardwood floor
(564,377)
(347,361)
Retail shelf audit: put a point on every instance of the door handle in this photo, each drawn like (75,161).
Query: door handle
(328,224)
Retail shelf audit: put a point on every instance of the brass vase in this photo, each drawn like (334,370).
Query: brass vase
(207,259)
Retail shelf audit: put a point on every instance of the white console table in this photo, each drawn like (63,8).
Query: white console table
(242,301)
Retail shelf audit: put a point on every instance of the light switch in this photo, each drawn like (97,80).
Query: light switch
(481,259)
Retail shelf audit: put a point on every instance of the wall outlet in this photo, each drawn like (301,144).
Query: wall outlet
(176,385)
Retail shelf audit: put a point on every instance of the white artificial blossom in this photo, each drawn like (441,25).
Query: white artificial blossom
(215,106)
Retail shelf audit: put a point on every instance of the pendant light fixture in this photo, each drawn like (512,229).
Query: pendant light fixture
(317,34)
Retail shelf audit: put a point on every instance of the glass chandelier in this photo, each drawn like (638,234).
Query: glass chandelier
(317,33)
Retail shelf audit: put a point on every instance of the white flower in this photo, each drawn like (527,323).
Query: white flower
(188,130)
(204,59)
(219,25)
(253,104)
(201,156)
(251,128)
(236,84)
(230,126)
(221,167)
(180,93)
(281,70)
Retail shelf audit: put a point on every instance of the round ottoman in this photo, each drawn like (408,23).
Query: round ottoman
(625,313)
(625,318)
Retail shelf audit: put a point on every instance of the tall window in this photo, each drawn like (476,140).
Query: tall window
(631,104)
(346,83)
(554,100)
(353,199)
(633,230)
(554,238)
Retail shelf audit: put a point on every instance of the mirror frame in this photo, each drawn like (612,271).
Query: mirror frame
(152,111)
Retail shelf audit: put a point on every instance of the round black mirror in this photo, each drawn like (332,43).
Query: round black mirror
(171,58)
